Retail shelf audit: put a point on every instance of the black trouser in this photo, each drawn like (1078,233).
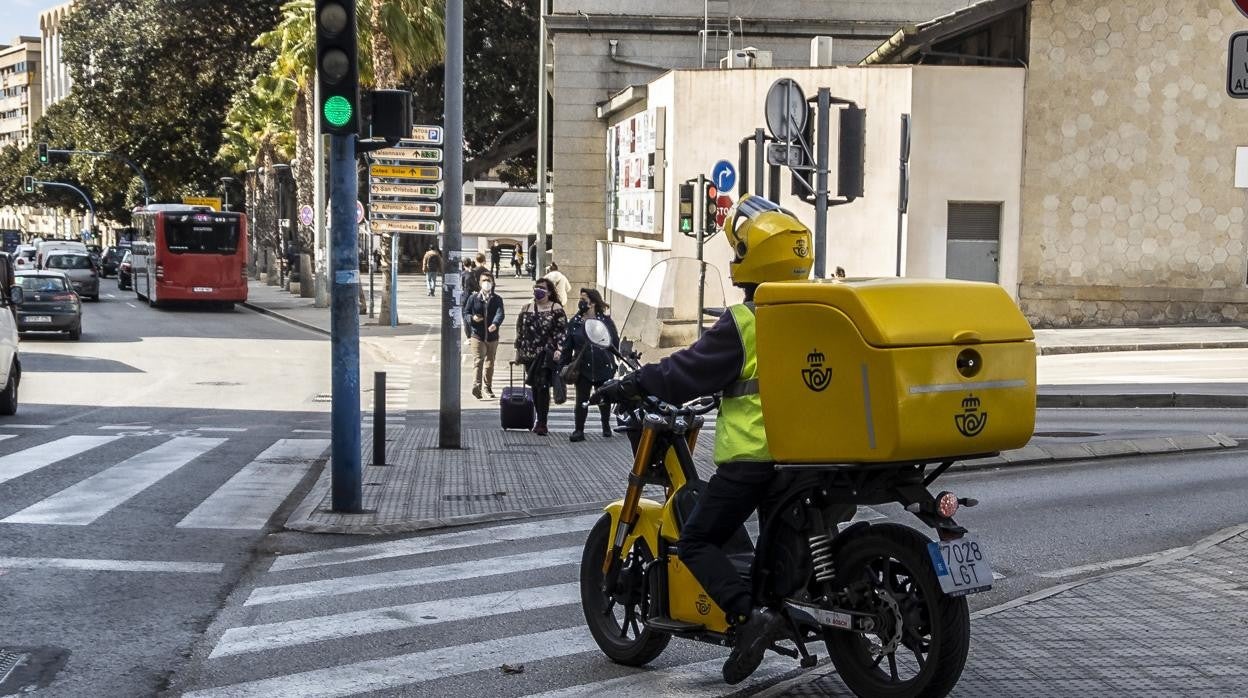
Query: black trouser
(734,492)
(583,387)
(541,400)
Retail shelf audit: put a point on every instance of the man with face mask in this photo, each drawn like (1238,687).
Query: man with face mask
(483,315)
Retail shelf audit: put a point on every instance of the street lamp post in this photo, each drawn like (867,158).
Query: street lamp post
(225,191)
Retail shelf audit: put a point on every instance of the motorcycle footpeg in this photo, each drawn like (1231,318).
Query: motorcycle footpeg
(810,661)
(781,649)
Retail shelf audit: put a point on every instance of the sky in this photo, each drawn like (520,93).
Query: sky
(18,17)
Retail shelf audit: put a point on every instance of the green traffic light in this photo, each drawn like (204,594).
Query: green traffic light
(337,110)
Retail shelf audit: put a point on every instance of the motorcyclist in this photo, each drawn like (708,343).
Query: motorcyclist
(769,244)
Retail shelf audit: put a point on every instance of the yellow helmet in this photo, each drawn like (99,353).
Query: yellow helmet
(768,243)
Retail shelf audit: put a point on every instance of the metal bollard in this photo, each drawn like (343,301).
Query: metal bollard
(379,418)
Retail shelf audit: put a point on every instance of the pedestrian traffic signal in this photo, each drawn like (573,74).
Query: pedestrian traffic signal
(337,63)
(686,209)
(43,154)
(28,185)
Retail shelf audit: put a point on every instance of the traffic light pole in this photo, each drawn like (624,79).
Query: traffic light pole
(83,194)
(453,203)
(147,191)
(347,473)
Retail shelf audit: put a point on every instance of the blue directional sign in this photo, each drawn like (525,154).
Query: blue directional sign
(724,175)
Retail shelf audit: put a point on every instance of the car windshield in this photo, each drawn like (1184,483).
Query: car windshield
(68,261)
(28,254)
(42,283)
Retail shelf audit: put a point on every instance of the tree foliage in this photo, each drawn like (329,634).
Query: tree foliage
(153,80)
(500,89)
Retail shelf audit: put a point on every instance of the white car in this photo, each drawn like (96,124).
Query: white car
(11,296)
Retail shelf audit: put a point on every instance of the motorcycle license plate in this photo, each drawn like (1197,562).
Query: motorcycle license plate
(961,565)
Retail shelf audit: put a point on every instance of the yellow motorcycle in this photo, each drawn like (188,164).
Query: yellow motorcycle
(888,603)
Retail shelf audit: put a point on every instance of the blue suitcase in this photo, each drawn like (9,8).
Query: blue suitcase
(516,404)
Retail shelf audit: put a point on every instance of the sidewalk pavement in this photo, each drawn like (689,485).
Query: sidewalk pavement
(505,475)
(1175,626)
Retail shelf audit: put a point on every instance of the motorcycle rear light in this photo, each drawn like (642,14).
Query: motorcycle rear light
(947,504)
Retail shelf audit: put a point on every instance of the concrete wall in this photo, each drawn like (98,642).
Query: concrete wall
(1130,215)
(966,136)
(900,10)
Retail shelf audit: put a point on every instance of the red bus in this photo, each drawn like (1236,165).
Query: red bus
(192,254)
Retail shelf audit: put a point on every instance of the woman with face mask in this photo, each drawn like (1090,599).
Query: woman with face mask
(539,334)
(585,364)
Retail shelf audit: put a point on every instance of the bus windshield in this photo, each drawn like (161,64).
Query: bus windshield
(201,234)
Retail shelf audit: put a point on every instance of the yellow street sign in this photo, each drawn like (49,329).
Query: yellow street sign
(426,174)
(383,226)
(212,201)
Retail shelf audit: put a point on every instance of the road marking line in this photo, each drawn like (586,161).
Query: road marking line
(36,457)
(125,428)
(247,500)
(27,426)
(231,430)
(436,542)
(688,681)
(414,668)
(83,503)
(260,638)
(65,563)
(419,576)
(312,431)
(7,436)
(132,305)
(1108,565)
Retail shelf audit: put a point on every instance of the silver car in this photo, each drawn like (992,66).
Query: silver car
(81,271)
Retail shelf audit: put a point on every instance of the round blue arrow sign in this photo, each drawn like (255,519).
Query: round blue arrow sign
(724,175)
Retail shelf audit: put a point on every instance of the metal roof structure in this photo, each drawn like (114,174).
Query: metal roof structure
(916,38)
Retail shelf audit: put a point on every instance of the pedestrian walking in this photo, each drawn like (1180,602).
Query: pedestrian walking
(586,364)
(517,261)
(496,258)
(469,277)
(478,270)
(432,266)
(562,285)
(483,315)
(540,330)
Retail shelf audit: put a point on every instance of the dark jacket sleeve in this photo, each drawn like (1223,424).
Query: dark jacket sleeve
(707,366)
(497,320)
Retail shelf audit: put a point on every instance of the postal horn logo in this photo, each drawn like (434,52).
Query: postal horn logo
(801,248)
(970,420)
(703,604)
(815,376)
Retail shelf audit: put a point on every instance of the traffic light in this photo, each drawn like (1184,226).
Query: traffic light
(710,208)
(43,154)
(28,185)
(686,209)
(337,62)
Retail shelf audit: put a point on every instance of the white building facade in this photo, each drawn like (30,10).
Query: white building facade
(56,79)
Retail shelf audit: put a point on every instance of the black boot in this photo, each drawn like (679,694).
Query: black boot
(753,637)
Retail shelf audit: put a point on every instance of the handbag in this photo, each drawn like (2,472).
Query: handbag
(560,389)
(572,370)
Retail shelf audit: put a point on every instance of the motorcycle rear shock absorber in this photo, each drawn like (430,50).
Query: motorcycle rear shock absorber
(821,557)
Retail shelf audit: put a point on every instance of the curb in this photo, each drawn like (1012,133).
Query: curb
(1030,454)
(1144,400)
(284,318)
(1147,346)
(778,689)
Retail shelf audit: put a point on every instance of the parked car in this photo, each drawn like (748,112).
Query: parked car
(11,295)
(124,279)
(110,261)
(80,271)
(49,304)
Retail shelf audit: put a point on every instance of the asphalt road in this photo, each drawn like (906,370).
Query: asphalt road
(137,480)
(440,614)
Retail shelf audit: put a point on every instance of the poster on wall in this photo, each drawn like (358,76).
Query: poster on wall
(635,164)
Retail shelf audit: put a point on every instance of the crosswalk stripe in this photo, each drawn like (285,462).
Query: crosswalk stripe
(507,564)
(36,457)
(442,541)
(64,563)
(687,681)
(247,500)
(258,638)
(83,503)
(408,669)
(7,436)
(27,426)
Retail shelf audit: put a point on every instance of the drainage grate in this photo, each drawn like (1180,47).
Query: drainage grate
(8,662)
(1067,434)
(473,497)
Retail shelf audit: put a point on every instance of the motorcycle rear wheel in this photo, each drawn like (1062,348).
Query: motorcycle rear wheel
(936,629)
(614,621)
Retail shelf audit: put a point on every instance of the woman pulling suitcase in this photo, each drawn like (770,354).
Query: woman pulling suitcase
(539,334)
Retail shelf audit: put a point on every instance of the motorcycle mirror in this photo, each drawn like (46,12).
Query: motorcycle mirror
(597,332)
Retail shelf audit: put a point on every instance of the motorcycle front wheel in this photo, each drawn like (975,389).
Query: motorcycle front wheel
(614,616)
(922,636)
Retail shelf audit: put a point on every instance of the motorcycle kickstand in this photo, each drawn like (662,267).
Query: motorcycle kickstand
(808,660)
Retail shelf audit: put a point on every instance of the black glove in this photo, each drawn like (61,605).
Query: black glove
(623,390)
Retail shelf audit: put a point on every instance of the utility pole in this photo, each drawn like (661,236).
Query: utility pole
(453,203)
